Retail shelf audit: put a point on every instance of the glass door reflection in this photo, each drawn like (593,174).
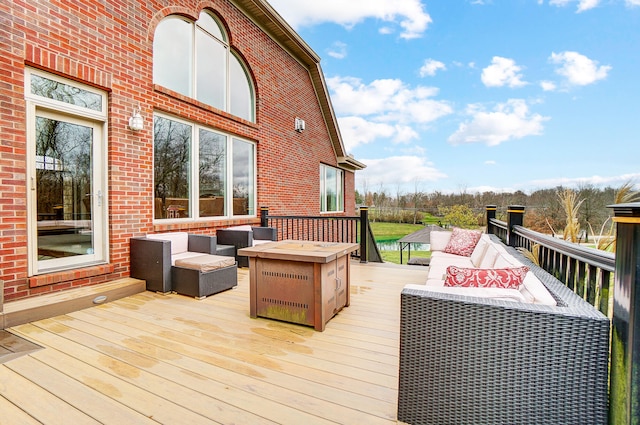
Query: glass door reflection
(64,189)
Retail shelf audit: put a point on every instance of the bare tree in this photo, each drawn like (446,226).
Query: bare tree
(416,196)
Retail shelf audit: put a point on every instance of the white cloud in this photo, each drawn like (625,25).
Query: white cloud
(508,121)
(548,85)
(405,134)
(430,67)
(583,5)
(398,170)
(578,69)
(387,100)
(613,181)
(502,72)
(338,50)
(409,15)
(490,162)
(485,189)
(358,131)
(632,3)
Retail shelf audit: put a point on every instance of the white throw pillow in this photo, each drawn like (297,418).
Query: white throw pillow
(489,258)
(179,240)
(438,239)
(245,227)
(502,262)
(479,251)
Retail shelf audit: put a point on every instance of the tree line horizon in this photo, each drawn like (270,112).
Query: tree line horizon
(547,211)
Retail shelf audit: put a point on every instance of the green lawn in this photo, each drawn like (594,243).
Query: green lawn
(393,231)
(394,256)
(387,232)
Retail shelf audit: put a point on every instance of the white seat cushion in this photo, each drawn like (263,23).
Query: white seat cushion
(495,293)
(535,288)
(438,270)
(261,241)
(504,261)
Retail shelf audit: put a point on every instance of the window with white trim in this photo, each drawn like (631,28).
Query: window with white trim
(331,189)
(201,173)
(195,59)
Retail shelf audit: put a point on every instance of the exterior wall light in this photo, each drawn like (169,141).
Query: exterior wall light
(136,122)
(300,125)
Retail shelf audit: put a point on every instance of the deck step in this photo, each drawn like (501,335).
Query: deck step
(50,305)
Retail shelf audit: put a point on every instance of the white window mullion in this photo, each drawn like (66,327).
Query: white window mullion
(194,188)
(227,92)
(194,62)
(229,185)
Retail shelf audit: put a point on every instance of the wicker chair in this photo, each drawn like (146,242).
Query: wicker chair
(466,360)
(243,237)
(152,257)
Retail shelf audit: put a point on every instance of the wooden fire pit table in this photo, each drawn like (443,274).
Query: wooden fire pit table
(302,282)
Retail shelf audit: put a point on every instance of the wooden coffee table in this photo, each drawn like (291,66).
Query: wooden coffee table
(302,282)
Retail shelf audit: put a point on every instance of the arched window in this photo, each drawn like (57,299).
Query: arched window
(194,59)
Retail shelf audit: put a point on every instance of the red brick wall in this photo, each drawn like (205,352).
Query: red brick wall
(108,44)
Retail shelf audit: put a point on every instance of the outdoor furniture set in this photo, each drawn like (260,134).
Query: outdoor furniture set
(526,351)
(489,338)
(194,265)
(184,263)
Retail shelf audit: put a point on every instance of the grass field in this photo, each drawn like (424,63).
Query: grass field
(391,232)
(386,232)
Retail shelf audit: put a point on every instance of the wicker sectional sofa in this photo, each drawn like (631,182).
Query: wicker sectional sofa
(474,359)
(489,253)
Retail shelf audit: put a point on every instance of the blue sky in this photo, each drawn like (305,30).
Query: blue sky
(476,95)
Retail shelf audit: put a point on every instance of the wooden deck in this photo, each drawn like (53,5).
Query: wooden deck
(149,359)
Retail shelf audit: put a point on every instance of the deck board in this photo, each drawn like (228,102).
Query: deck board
(151,358)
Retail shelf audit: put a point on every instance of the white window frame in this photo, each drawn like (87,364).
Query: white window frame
(36,105)
(194,187)
(339,189)
(227,66)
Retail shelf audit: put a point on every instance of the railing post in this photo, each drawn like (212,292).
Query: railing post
(515,217)
(364,234)
(264,214)
(491,214)
(625,342)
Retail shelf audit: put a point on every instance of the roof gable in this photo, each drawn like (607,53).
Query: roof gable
(264,15)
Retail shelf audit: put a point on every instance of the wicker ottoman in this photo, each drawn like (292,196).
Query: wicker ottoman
(204,275)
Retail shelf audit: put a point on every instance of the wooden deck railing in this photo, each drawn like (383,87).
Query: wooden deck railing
(353,229)
(588,272)
(610,282)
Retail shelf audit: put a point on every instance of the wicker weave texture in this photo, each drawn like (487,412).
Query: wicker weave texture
(466,360)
